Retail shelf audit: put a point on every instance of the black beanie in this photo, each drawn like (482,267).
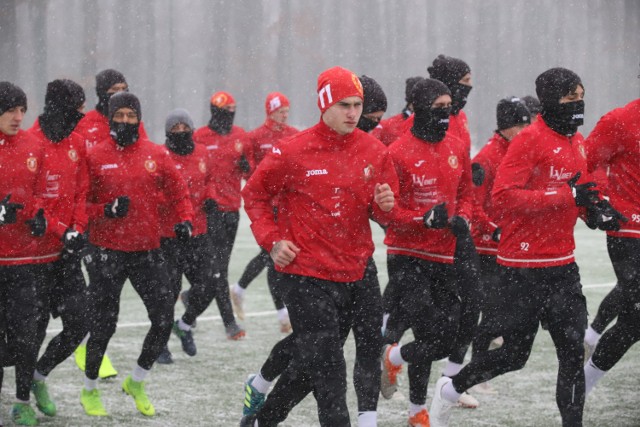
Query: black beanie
(532,103)
(107,78)
(512,112)
(63,95)
(409,84)
(374,97)
(426,91)
(11,96)
(555,83)
(124,100)
(448,70)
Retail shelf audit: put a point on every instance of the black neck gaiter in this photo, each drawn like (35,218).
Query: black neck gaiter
(180,142)
(221,120)
(564,118)
(431,124)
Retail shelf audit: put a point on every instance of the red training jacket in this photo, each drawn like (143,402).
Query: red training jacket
(20,167)
(613,156)
(326,186)
(260,141)
(484,221)
(429,174)
(533,203)
(146,174)
(225,152)
(196,170)
(64,167)
(392,128)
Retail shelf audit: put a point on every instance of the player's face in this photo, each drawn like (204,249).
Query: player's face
(576,95)
(343,116)
(11,120)
(281,115)
(125,115)
(118,87)
(180,127)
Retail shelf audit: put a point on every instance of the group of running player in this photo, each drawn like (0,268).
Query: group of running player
(479,250)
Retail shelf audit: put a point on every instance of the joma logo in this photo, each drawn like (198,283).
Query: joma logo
(313,172)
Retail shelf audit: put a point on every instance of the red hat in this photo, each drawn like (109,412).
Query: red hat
(336,84)
(275,101)
(222,99)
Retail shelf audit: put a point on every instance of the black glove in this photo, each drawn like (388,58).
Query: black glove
(9,211)
(183,230)
(210,206)
(73,240)
(459,226)
(243,164)
(604,217)
(436,217)
(582,193)
(118,208)
(496,235)
(38,224)
(477,174)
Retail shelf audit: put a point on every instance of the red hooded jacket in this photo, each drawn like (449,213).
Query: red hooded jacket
(20,165)
(64,197)
(146,174)
(533,203)
(225,152)
(260,141)
(429,174)
(326,186)
(613,155)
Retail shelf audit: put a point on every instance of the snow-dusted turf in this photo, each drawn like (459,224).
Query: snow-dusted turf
(206,390)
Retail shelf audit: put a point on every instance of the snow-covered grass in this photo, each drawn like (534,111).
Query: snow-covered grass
(206,390)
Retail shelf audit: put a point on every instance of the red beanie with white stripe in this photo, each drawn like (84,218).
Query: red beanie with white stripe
(275,101)
(336,84)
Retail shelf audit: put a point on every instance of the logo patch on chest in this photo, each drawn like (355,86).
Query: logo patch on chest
(150,165)
(32,164)
(453,161)
(368,172)
(73,155)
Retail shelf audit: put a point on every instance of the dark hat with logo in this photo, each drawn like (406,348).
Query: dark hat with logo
(512,112)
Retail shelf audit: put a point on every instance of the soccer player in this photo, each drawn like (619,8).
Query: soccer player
(540,187)
(330,180)
(613,156)
(259,143)
(512,116)
(434,208)
(129,177)
(191,257)
(225,144)
(23,304)
(64,200)
(365,375)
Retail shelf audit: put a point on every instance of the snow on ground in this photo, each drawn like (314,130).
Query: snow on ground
(206,390)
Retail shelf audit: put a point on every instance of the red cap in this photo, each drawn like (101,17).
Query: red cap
(222,99)
(336,84)
(275,101)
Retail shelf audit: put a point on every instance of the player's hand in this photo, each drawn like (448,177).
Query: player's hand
(383,197)
(284,252)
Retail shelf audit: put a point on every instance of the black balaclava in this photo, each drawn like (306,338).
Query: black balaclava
(429,124)
(552,85)
(408,87)
(449,71)
(374,100)
(61,103)
(179,142)
(11,96)
(104,80)
(124,134)
(221,120)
